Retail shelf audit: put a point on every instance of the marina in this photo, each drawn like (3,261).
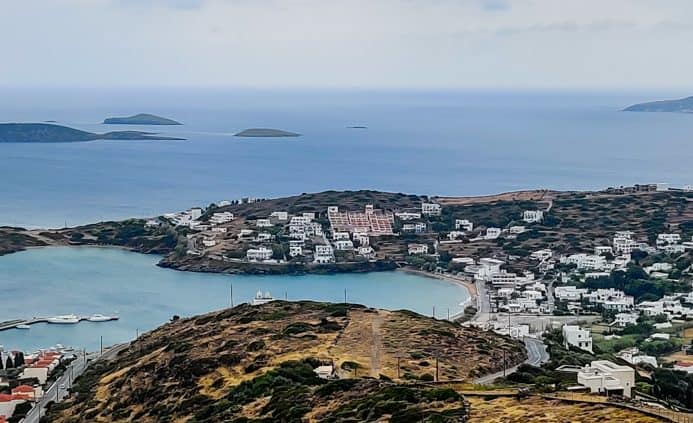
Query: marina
(63,319)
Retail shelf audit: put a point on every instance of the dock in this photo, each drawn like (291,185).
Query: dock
(12,324)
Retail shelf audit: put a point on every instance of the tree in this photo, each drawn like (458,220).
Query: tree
(19,359)
(8,363)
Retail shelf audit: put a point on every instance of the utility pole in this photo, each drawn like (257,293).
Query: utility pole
(448,313)
(286,296)
(101,345)
(434,312)
(231,295)
(345,296)
(398,359)
(437,367)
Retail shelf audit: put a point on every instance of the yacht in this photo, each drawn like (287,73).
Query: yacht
(23,327)
(101,318)
(64,319)
(261,298)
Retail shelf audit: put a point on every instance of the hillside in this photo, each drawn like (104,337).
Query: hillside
(140,119)
(683,105)
(256,364)
(49,133)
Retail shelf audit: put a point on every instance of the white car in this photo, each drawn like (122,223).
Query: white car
(61,386)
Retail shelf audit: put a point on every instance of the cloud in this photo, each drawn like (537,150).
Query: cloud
(175,4)
(495,5)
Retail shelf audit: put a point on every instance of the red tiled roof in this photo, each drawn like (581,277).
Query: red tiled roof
(684,364)
(23,388)
(6,398)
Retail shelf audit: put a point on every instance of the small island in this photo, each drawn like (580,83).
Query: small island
(140,119)
(266,133)
(49,133)
(683,105)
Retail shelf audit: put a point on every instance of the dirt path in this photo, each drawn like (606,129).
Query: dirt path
(377,345)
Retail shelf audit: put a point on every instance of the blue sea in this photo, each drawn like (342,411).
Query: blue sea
(87,280)
(450,143)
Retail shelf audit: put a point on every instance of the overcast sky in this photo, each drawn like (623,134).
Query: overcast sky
(519,44)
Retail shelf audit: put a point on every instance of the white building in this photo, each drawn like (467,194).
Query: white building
(503,278)
(324,254)
(280,215)
(453,235)
(633,356)
(667,239)
(492,233)
(209,242)
(219,218)
(624,319)
(362,239)
(340,235)
(366,252)
(263,223)
(586,261)
(464,224)
(624,243)
(577,337)
(300,220)
(569,293)
(296,249)
(343,245)
(430,209)
(516,230)
(195,213)
(603,376)
(408,216)
(611,299)
(541,255)
(533,216)
(259,254)
(417,249)
(417,228)
(601,250)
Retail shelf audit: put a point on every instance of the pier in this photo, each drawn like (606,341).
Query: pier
(12,324)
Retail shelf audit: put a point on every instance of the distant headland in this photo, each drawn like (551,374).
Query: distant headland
(682,105)
(140,119)
(48,133)
(266,132)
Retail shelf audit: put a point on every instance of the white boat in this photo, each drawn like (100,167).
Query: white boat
(101,318)
(66,319)
(261,298)
(23,327)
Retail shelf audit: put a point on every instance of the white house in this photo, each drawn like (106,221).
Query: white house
(453,235)
(343,245)
(578,337)
(603,376)
(532,216)
(209,242)
(408,216)
(492,233)
(625,319)
(624,243)
(569,293)
(600,250)
(430,209)
(362,238)
(516,230)
(541,255)
(295,250)
(667,239)
(340,235)
(280,215)
(366,252)
(417,249)
(464,224)
(324,254)
(263,223)
(259,254)
(585,261)
(219,218)
(633,356)
(417,227)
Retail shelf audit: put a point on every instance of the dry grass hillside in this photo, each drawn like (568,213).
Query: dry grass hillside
(256,364)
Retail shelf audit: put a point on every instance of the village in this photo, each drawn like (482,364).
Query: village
(626,293)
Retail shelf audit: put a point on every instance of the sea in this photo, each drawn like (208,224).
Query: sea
(88,280)
(419,142)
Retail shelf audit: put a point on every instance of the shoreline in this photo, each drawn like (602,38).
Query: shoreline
(468,286)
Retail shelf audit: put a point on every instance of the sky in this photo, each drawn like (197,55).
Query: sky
(418,44)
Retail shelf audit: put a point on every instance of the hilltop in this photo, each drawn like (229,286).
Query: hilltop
(140,119)
(49,133)
(683,105)
(256,363)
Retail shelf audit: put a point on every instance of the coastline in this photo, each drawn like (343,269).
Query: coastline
(470,287)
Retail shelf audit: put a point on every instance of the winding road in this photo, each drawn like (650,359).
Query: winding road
(536,356)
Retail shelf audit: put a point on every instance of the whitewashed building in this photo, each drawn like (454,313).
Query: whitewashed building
(532,216)
(430,209)
(577,337)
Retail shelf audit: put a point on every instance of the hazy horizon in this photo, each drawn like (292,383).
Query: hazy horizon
(523,45)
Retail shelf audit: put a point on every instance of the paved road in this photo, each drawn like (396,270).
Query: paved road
(536,356)
(59,390)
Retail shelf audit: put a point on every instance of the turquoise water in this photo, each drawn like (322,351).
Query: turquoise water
(63,280)
(448,143)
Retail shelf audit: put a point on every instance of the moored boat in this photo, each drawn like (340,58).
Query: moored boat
(23,327)
(261,298)
(64,319)
(101,318)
